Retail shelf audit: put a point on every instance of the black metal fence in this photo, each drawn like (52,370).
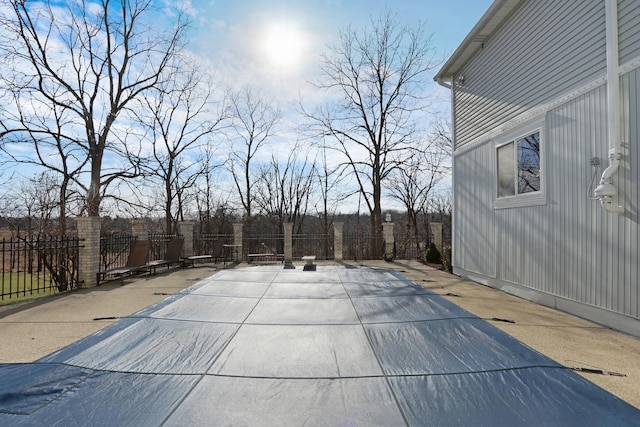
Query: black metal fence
(411,246)
(38,265)
(160,244)
(262,244)
(320,245)
(204,244)
(358,245)
(114,250)
(41,265)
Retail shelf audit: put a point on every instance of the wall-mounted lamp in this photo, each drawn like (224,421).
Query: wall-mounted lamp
(459,80)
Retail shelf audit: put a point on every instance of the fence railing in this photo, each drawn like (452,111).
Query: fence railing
(114,250)
(34,265)
(160,244)
(39,265)
(204,244)
(320,245)
(357,245)
(411,246)
(262,244)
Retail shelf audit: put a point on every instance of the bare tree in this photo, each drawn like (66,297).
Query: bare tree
(441,136)
(38,202)
(85,62)
(6,195)
(374,78)
(180,116)
(284,189)
(413,185)
(329,183)
(52,149)
(254,120)
(214,210)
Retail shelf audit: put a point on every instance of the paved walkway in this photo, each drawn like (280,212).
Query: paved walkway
(33,330)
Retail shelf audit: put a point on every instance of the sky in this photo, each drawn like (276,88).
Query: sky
(276,44)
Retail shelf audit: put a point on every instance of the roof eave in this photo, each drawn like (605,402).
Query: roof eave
(494,17)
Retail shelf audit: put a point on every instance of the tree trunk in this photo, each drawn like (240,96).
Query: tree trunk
(93,195)
(376,214)
(168,203)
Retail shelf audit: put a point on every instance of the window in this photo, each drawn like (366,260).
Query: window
(519,171)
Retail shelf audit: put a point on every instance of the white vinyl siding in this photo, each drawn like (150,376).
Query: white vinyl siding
(548,48)
(629,30)
(628,292)
(474,246)
(569,248)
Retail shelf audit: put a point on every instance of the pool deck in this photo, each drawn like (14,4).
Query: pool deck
(611,360)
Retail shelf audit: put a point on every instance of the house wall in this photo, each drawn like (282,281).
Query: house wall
(567,252)
(629,30)
(549,47)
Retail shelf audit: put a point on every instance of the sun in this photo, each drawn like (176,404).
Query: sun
(283,44)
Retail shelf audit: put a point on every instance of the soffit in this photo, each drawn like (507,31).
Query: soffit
(486,27)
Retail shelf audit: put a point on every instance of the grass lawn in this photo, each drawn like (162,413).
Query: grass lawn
(22,286)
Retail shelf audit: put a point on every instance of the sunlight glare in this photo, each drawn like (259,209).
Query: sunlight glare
(283,44)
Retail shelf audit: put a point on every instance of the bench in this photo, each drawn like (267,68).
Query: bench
(190,260)
(136,262)
(174,249)
(308,263)
(277,257)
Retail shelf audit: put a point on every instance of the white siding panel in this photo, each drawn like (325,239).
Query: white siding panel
(474,240)
(629,293)
(629,29)
(547,49)
(577,132)
(570,247)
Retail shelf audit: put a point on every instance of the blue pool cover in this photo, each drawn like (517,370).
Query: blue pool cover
(267,346)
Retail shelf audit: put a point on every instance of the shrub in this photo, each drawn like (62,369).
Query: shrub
(446,260)
(432,254)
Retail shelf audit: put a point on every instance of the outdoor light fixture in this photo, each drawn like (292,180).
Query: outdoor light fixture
(387,217)
(459,80)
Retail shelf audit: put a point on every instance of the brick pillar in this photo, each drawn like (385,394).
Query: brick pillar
(436,233)
(387,235)
(186,230)
(237,238)
(89,251)
(139,229)
(337,241)
(288,242)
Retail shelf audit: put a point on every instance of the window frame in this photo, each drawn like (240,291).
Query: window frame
(532,198)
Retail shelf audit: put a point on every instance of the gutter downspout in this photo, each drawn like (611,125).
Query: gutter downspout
(451,86)
(607,190)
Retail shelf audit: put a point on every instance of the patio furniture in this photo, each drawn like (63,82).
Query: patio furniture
(174,249)
(231,252)
(136,261)
(219,251)
(271,254)
(308,263)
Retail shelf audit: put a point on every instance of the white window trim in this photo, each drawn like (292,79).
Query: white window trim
(526,199)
